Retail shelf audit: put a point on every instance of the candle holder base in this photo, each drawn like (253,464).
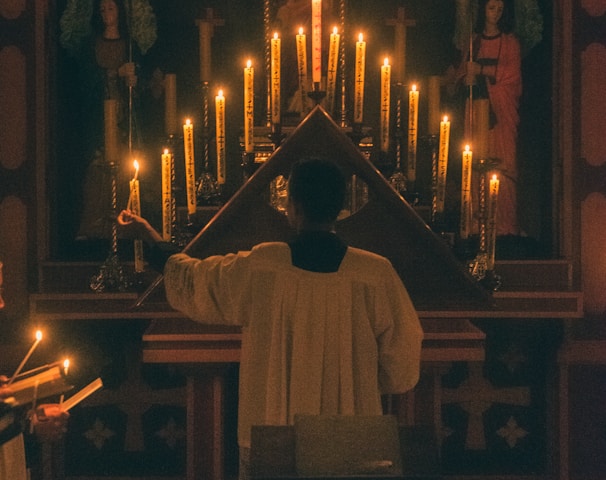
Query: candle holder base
(491,281)
(111,276)
(208,191)
(276,136)
(316,94)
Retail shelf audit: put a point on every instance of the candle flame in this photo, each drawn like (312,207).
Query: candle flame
(248,63)
(335,30)
(188,122)
(467,148)
(65,365)
(414,87)
(275,35)
(166,151)
(220,94)
(300,30)
(360,37)
(445,118)
(38,335)
(494,176)
(386,63)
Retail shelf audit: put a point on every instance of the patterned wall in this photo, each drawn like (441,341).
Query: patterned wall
(15,163)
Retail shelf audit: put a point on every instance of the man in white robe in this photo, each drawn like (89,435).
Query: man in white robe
(326,328)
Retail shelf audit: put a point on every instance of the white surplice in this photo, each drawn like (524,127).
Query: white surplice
(312,343)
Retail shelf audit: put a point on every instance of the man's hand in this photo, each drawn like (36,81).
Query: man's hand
(49,422)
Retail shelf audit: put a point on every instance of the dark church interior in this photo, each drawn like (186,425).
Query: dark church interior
(513,364)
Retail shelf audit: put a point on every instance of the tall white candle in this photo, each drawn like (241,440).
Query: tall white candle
(220,130)
(190,166)
(333,62)
(442,163)
(413,131)
(135,207)
(167,195)
(491,234)
(385,105)
(358,115)
(316,40)
(466,165)
(275,79)
(249,104)
(301,41)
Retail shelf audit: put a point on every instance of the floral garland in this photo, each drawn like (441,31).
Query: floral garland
(75,24)
(528,23)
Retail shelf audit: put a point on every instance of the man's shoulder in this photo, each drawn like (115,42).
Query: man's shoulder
(364,257)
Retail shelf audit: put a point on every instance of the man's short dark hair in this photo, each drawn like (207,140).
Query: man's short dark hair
(318,187)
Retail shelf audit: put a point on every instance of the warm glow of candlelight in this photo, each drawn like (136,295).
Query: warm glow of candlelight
(136,167)
(26,358)
(466,164)
(442,163)
(358,113)
(220,136)
(190,166)
(249,104)
(333,62)
(413,131)
(275,79)
(316,40)
(385,105)
(38,335)
(66,366)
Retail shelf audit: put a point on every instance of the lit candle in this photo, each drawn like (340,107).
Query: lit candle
(385,99)
(442,163)
(491,234)
(275,79)
(301,42)
(26,358)
(249,105)
(433,95)
(190,166)
(111,130)
(333,59)
(135,207)
(66,366)
(167,195)
(413,130)
(170,103)
(359,79)
(466,164)
(316,40)
(220,131)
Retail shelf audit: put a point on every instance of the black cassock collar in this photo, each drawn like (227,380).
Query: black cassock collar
(317,251)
